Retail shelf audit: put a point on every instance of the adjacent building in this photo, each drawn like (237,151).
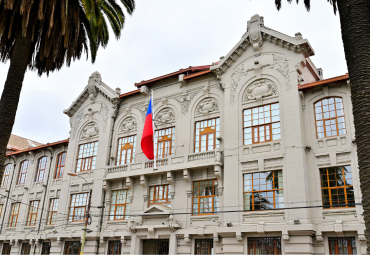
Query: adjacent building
(256,154)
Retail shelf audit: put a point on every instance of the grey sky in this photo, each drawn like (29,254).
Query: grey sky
(163,36)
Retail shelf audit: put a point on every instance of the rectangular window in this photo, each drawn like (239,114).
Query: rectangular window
(86,156)
(41,167)
(1,209)
(156,246)
(120,205)
(203,246)
(164,139)
(22,176)
(72,248)
(264,245)
(263,191)
(114,248)
(342,245)
(78,207)
(26,248)
(206,132)
(337,187)
(52,213)
(32,213)
(205,198)
(161,195)
(6,175)
(126,150)
(60,165)
(14,212)
(261,124)
(6,249)
(46,248)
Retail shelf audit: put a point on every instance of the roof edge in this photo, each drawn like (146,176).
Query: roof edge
(323,82)
(39,147)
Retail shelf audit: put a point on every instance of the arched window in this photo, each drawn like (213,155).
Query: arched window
(23,170)
(329,116)
(61,161)
(126,150)
(41,167)
(6,176)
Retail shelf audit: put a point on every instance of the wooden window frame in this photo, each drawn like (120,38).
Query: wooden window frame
(23,171)
(344,187)
(213,196)
(13,217)
(111,246)
(6,249)
(6,175)
(201,244)
(40,170)
(32,213)
(166,195)
(260,241)
(52,212)
(1,209)
(71,217)
(67,247)
(26,249)
(116,205)
(127,147)
(330,118)
(89,159)
(253,192)
(335,242)
(207,131)
(45,248)
(259,126)
(161,153)
(60,165)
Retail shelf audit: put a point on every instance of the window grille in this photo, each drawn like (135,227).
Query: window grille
(23,173)
(41,167)
(263,191)
(206,132)
(78,206)
(329,116)
(205,198)
(114,248)
(342,245)
(6,249)
(72,248)
(203,246)
(261,124)
(26,248)
(6,175)
(126,150)
(46,248)
(120,205)
(337,187)
(61,161)
(87,157)
(164,139)
(32,213)
(160,194)
(156,246)
(52,213)
(264,245)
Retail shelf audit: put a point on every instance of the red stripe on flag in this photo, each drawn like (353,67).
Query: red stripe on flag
(147,145)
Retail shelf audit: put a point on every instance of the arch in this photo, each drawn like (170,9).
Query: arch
(127,125)
(41,168)
(90,129)
(22,172)
(60,165)
(259,90)
(6,176)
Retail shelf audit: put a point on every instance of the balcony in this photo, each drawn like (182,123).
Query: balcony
(193,160)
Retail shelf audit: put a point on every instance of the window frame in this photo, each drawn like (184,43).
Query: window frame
(52,214)
(25,249)
(207,243)
(276,239)
(32,213)
(111,246)
(124,217)
(13,223)
(163,142)
(6,175)
(39,170)
(119,150)
(1,209)
(66,248)
(166,195)
(344,187)
(21,174)
(350,240)
(215,190)
(269,124)
(59,168)
(72,218)
(335,118)
(273,190)
(209,131)
(84,159)
(8,248)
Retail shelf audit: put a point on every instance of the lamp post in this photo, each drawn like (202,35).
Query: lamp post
(86,215)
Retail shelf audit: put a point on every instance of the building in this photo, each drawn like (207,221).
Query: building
(256,155)
(17,143)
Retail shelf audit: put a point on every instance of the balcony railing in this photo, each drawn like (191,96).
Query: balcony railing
(201,156)
(117,169)
(160,162)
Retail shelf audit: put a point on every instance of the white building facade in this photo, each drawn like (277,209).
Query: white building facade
(256,154)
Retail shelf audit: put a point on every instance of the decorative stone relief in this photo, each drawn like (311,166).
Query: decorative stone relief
(282,66)
(185,101)
(104,113)
(260,89)
(206,106)
(254,30)
(165,116)
(89,131)
(128,124)
(143,109)
(95,78)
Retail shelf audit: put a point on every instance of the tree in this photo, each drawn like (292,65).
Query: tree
(355,27)
(43,35)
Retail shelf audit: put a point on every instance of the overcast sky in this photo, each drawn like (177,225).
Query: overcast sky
(163,36)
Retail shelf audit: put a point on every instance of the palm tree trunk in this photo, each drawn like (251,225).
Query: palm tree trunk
(12,90)
(355,25)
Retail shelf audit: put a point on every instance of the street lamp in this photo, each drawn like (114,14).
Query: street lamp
(87,213)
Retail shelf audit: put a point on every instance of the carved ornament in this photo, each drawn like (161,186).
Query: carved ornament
(128,124)
(206,106)
(165,116)
(260,89)
(90,130)
(95,78)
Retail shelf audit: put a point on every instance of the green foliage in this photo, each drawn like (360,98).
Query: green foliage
(307,4)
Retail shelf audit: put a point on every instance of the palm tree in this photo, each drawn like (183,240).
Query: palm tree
(43,35)
(355,26)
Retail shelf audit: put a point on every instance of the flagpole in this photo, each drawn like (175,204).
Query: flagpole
(155,156)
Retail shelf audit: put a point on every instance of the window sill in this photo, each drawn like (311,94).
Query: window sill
(339,211)
(79,223)
(117,222)
(205,216)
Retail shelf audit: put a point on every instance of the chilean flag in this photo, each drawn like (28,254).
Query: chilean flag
(147,145)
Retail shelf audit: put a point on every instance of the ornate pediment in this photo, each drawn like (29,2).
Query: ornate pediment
(89,131)
(158,209)
(165,116)
(207,106)
(260,89)
(127,125)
